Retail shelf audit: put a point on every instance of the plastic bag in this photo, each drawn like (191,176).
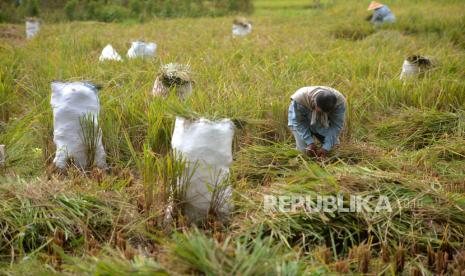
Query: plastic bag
(241,30)
(207,147)
(183,91)
(75,121)
(142,49)
(409,70)
(32,28)
(109,53)
(415,65)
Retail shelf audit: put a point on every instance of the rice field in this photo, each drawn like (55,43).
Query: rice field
(402,139)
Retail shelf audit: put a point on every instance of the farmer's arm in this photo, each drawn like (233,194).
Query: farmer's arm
(378,15)
(298,120)
(335,126)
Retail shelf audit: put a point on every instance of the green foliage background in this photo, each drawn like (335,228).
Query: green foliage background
(118,10)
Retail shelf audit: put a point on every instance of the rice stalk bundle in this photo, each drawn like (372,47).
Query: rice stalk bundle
(173,76)
(91,135)
(365,154)
(443,150)
(263,163)
(241,21)
(416,129)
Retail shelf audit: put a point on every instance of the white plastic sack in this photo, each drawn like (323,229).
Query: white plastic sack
(142,49)
(409,70)
(182,91)
(71,101)
(207,147)
(109,53)
(240,30)
(32,28)
(415,65)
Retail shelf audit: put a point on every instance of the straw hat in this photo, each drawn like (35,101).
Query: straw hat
(374,5)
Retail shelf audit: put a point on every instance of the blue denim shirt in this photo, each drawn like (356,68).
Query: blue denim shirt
(299,120)
(383,15)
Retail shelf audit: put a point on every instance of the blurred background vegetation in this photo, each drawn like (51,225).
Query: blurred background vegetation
(118,10)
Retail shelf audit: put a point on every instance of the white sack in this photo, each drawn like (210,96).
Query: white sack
(239,30)
(182,91)
(207,147)
(70,102)
(108,53)
(142,49)
(409,70)
(32,28)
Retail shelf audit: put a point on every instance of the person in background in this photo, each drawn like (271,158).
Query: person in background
(381,13)
(316,112)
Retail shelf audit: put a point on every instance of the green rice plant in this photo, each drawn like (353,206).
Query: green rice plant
(221,191)
(160,127)
(28,267)
(91,136)
(6,91)
(174,175)
(353,31)
(22,150)
(259,256)
(165,181)
(111,262)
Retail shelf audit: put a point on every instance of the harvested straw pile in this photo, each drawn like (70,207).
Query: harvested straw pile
(361,153)
(420,217)
(417,129)
(263,163)
(43,213)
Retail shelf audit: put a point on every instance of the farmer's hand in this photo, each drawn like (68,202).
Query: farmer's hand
(311,150)
(322,153)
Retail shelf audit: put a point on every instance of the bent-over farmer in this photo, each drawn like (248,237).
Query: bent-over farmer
(316,112)
(381,13)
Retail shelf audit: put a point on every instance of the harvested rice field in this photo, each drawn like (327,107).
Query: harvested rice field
(127,212)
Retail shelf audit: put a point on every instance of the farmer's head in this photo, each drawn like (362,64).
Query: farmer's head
(325,101)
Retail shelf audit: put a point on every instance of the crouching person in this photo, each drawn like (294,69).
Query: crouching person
(381,13)
(316,112)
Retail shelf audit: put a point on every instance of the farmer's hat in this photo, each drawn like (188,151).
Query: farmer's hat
(374,5)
